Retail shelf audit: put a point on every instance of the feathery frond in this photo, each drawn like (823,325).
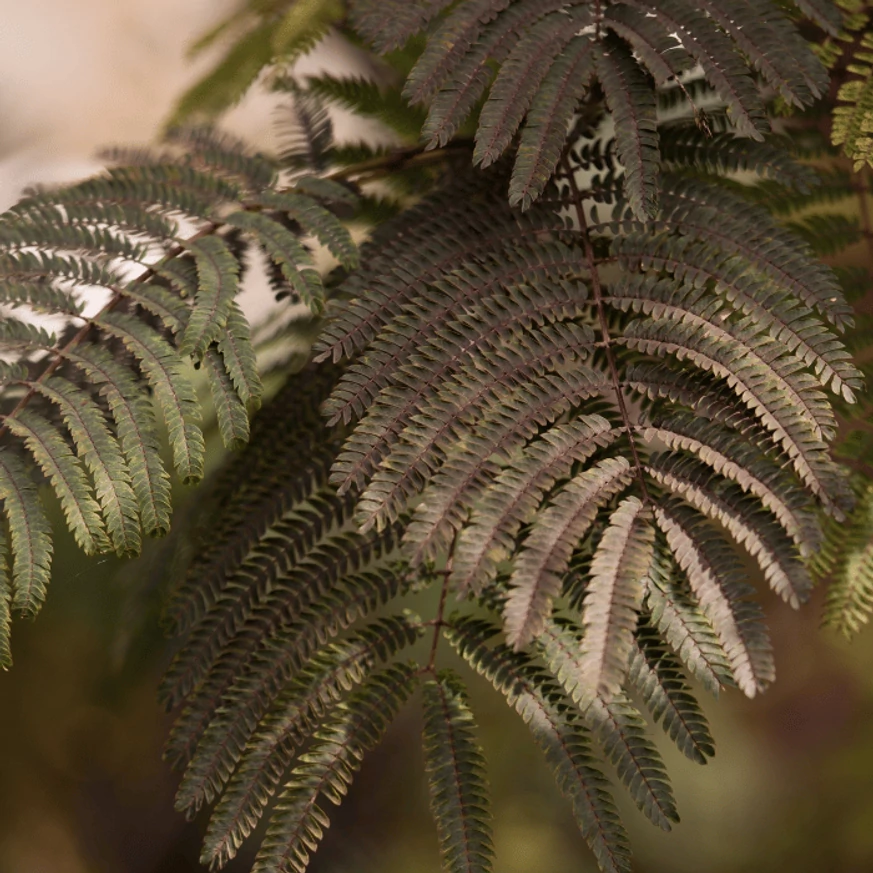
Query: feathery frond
(546,53)
(327,769)
(456,772)
(556,730)
(82,404)
(579,406)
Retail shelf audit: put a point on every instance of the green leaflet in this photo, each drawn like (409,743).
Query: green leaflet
(101,455)
(318,221)
(218,284)
(303,24)
(70,237)
(238,357)
(137,430)
(229,79)
(283,247)
(326,190)
(84,401)
(456,774)
(233,420)
(229,156)
(60,465)
(167,187)
(852,115)
(29,536)
(366,98)
(846,561)
(173,391)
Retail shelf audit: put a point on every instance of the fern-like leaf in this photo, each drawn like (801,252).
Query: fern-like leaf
(102,456)
(614,597)
(555,730)
(218,280)
(658,678)
(28,535)
(714,576)
(542,139)
(846,561)
(514,495)
(632,102)
(542,562)
(456,774)
(59,464)
(294,714)
(619,728)
(327,769)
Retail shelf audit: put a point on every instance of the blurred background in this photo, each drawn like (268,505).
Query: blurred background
(83,788)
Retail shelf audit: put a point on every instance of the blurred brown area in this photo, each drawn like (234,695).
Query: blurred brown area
(83,788)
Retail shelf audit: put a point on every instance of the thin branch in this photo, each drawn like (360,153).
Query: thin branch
(594,278)
(412,156)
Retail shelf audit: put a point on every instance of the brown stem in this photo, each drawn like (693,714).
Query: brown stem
(438,622)
(863,189)
(596,290)
(411,156)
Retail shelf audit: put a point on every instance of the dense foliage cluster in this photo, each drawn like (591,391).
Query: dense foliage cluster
(586,368)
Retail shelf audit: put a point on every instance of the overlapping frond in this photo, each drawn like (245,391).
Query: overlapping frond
(547,53)
(659,680)
(499,477)
(490,418)
(577,406)
(614,721)
(81,409)
(327,768)
(556,729)
(284,728)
